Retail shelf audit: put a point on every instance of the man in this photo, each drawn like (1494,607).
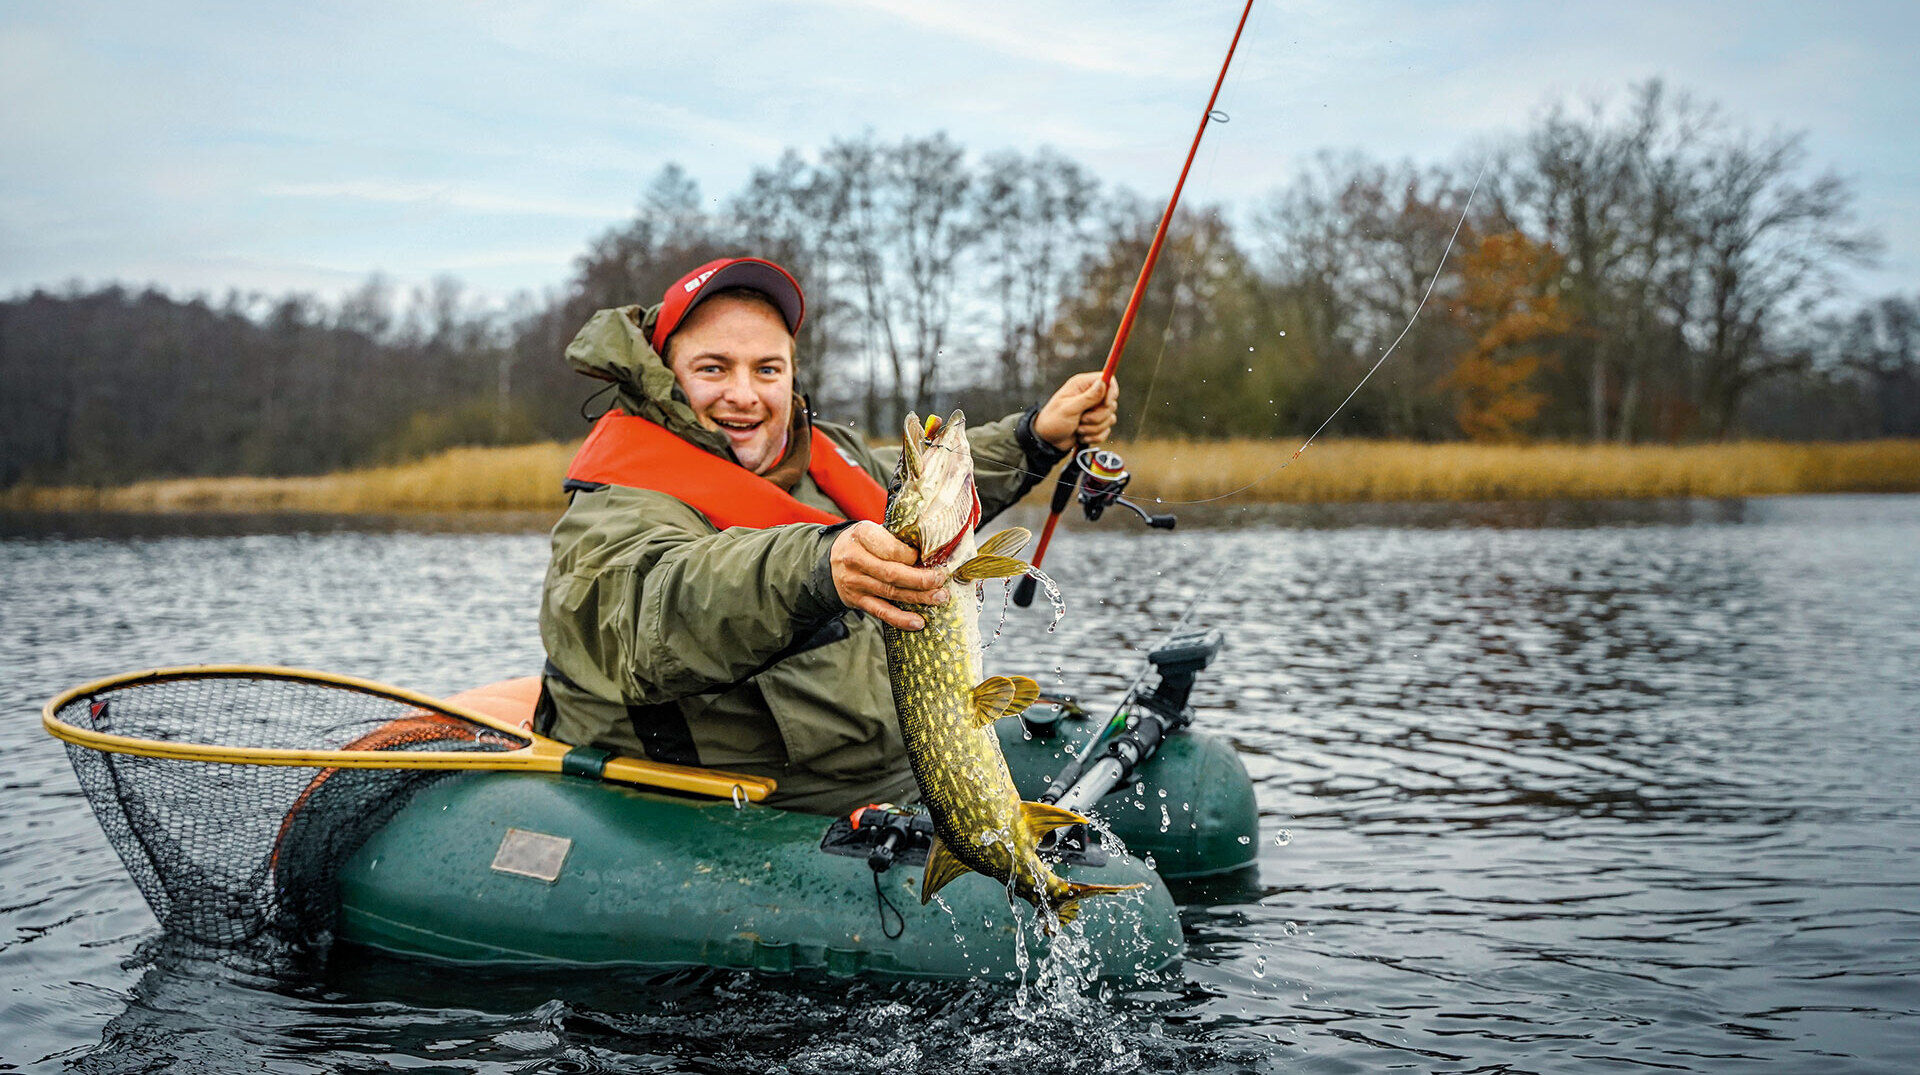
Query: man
(708,601)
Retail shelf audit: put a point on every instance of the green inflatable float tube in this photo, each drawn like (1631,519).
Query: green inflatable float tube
(503,868)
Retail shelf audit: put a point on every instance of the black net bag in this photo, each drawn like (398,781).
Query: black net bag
(234,795)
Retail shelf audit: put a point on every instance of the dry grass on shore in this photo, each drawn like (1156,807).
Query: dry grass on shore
(527,477)
(522,477)
(1351,471)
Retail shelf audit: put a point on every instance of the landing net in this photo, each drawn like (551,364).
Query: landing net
(229,853)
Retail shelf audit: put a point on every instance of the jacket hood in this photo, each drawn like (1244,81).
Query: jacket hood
(613,346)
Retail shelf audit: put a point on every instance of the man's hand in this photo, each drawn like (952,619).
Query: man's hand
(872,569)
(1081,413)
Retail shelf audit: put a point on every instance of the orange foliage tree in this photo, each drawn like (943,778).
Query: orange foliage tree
(1509,299)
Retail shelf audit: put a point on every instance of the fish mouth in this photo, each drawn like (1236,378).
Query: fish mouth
(950,504)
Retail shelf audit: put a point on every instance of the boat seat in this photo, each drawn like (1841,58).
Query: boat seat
(510,700)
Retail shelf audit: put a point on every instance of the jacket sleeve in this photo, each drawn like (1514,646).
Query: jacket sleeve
(647,603)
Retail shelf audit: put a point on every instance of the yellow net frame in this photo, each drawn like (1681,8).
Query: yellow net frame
(541,755)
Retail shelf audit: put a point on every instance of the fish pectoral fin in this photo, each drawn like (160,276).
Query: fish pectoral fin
(1045,817)
(1007,542)
(1002,696)
(1025,693)
(990,700)
(985,566)
(942,866)
(1069,907)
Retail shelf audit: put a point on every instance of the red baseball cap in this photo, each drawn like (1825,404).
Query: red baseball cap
(765,277)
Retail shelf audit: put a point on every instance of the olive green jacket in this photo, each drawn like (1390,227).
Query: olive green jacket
(671,639)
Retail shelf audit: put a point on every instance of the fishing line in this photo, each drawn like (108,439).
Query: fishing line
(1173,303)
(1431,283)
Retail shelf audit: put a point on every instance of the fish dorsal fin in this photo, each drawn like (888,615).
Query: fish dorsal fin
(942,866)
(1007,542)
(1002,696)
(1044,817)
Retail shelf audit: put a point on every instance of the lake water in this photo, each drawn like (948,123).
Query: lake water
(1577,789)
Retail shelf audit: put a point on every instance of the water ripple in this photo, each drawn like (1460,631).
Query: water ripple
(1541,791)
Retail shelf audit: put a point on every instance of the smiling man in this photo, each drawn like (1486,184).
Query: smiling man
(715,581)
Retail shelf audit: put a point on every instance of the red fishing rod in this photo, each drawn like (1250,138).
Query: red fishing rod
(1104,474)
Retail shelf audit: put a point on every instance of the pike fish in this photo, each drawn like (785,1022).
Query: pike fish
(947,709)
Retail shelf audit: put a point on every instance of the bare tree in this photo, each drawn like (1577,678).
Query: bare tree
(1770,245)
(1035,217)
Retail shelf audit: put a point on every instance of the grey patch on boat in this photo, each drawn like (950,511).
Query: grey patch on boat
(532,854)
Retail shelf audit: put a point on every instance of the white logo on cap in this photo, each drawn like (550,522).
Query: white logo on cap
(693,285)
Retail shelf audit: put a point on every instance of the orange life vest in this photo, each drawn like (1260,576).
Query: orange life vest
(624,449)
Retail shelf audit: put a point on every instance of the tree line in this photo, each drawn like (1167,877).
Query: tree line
(1628,270)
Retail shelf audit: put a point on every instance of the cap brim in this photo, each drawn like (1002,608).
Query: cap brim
(763,277)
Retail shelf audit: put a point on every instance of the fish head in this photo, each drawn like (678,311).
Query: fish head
(934,503)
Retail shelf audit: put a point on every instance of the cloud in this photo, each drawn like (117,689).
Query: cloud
(444,195)
(437,135)
(1082,39)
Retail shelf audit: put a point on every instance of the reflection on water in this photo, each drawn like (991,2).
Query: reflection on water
(1561,797)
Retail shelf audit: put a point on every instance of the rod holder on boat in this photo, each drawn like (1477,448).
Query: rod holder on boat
(1151,716)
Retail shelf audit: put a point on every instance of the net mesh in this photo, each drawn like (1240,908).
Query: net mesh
(228,854)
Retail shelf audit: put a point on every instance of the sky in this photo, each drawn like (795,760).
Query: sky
(270,146)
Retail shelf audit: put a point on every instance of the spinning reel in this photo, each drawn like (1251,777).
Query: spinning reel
(1103,478)
(1097,477)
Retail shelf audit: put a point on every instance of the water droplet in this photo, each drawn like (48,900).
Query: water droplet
(1291,929)
(1260,966)
(1283,838)
(1244,840)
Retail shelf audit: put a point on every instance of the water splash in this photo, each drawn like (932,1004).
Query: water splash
(1052,590)
(1000,624)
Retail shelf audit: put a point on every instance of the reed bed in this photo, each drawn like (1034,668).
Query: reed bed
(1351,471)
(527,477)
(520,478)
